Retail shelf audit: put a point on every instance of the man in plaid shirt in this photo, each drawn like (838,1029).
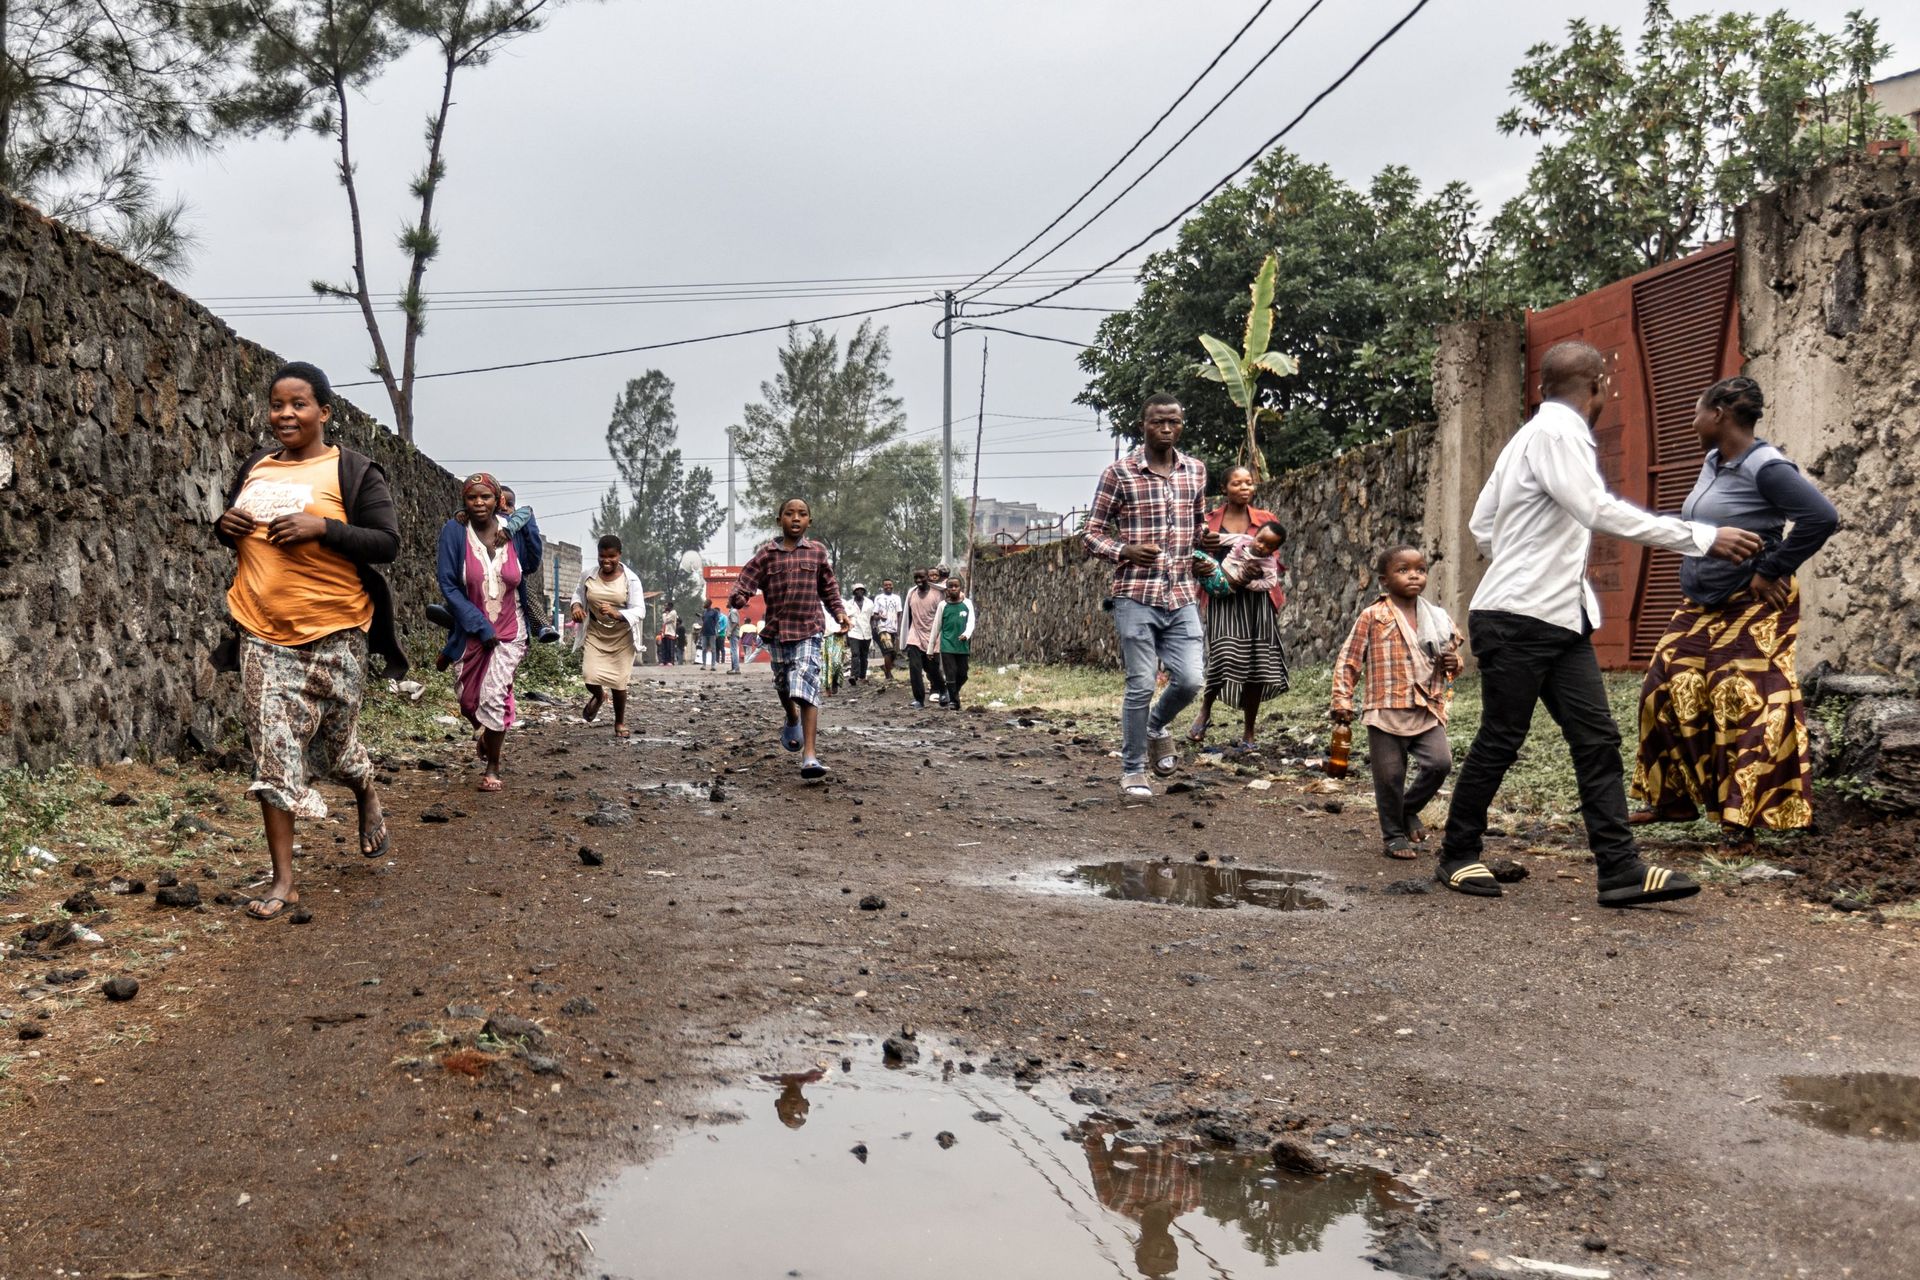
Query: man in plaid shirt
(1145,511)
(794,574)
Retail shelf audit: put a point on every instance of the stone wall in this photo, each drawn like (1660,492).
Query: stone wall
(1830,321)
(1044,605)
(125,408)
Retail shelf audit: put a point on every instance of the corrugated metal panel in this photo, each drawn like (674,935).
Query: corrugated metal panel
(1681,319)
(1667,334)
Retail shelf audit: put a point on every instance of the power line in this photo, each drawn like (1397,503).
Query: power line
(1177,144)
(347,307)
(1042,337)
(931,280)
(651,346)
(1126,155)
(1235,172)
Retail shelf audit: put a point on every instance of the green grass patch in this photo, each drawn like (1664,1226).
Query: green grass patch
(1540,785)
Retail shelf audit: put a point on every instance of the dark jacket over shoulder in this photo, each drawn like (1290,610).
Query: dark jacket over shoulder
(370,535)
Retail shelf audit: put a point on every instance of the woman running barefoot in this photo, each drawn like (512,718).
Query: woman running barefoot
(309,520)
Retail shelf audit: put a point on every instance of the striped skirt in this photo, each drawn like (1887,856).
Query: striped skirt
(1243,648)
(1722,727)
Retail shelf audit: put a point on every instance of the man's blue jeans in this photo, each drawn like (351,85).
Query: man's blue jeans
(1152,638)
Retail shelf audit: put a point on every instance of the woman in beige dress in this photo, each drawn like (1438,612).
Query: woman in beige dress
(609,605)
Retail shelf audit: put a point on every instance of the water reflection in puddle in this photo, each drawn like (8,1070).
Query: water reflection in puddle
(1859,1104)
(882,1174)
(1205,885)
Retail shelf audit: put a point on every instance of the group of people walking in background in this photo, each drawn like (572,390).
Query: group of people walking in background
(1722,731)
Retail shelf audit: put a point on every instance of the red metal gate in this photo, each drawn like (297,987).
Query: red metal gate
(1667,334)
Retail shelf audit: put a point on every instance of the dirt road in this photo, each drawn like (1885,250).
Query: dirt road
(354,1096)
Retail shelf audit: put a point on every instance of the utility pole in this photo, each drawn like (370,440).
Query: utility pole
(731,559)
(946,439)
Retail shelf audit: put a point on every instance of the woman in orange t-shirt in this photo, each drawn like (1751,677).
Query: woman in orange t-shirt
(308,520)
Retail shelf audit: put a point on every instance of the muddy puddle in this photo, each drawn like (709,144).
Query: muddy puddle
(1207,885)
(856,1172)
(1858,1104)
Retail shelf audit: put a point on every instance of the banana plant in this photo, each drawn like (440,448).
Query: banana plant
(1239,371)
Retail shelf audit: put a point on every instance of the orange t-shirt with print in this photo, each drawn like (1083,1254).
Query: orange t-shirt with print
(295,595)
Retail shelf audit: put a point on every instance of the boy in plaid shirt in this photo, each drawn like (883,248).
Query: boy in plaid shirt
(1410,649)
(793,573)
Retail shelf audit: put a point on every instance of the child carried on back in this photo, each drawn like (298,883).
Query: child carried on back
(1410,650)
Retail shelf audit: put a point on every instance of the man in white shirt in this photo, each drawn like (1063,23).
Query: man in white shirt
(1532,622)
(859,631)
(886,626)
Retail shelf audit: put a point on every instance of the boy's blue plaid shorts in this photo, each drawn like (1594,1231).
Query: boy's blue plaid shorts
(796,669)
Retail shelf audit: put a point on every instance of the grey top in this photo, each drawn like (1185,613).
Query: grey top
(1760,491)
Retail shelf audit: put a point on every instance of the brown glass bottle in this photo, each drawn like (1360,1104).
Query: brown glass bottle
(1338,750)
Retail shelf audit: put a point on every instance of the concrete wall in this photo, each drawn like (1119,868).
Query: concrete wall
(125,409)
(1479,397)
(1830,320)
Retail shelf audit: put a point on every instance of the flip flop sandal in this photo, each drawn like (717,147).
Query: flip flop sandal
(1198,733)
(1736,837)
(1647,817)
(386,838)
(812,770)
(274,914)
(1472,879)
(1401,849)
(490,784)
(1647,885)
(1163,754)
(1416,831)
(792,736)
(592,708)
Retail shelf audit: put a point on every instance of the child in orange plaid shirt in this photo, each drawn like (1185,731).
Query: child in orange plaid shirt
(1410,649)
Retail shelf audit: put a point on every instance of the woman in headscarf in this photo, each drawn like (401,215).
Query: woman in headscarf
(1722,727)
(610,606)
(309,520)
(479,575)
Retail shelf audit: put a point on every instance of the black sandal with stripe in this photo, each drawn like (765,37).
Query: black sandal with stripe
(1645,885)
(1471,878)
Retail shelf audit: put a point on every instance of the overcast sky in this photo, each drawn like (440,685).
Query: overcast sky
(633,144)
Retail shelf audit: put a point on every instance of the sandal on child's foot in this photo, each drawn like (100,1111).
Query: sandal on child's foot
(812,770)
(1400,849)
(790,737)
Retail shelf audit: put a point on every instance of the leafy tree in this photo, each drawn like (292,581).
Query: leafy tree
(1240,371)
(829,429)
(1360,280)
(308,60)
(91,93)
(669,510)
(1647,152)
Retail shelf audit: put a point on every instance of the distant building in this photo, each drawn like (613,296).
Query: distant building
(992,518)
(1900,96)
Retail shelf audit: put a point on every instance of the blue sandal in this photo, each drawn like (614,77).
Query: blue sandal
(791,737)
